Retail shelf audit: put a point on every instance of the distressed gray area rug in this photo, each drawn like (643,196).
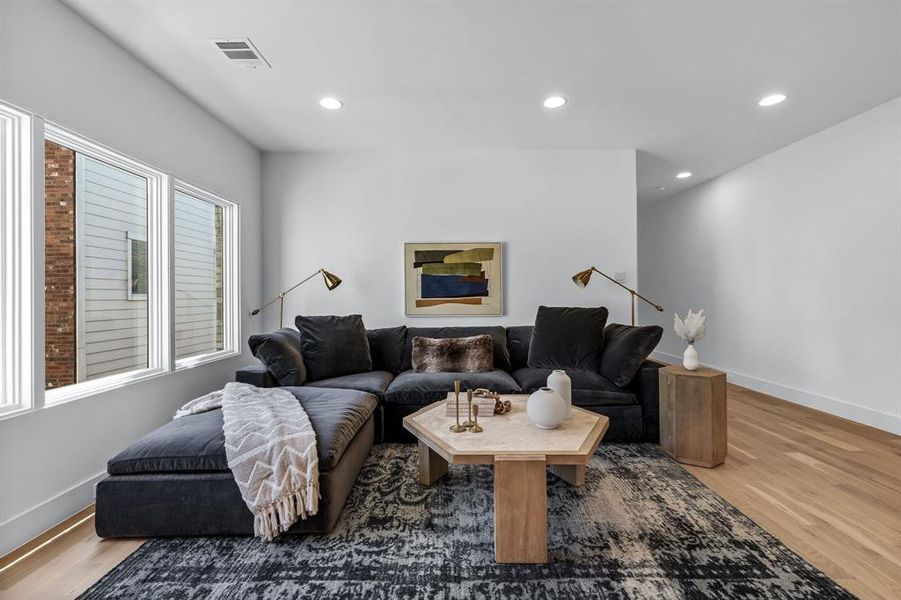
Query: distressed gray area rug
(641,527)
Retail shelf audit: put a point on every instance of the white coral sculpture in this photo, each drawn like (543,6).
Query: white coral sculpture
(693,328)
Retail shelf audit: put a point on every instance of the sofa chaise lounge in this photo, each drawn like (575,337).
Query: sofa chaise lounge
(175,480)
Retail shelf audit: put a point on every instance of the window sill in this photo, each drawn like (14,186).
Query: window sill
(203,359)
(98,386)
(14,412)
(86,389)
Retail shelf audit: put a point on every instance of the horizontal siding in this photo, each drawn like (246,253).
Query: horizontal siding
(112,205)
(197,327)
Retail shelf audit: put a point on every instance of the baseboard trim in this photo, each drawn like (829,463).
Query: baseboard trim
(25,526)
(839,408)
(37,542)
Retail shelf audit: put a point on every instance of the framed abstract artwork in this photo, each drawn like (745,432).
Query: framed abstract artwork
(453,279)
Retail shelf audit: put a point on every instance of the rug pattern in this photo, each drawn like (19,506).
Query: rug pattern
(641,527)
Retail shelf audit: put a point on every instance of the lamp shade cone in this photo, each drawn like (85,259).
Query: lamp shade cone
(582,278)
(331,280)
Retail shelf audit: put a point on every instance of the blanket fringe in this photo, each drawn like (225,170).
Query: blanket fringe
(276,518)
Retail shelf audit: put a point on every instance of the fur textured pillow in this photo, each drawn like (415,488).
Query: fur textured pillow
(473,354)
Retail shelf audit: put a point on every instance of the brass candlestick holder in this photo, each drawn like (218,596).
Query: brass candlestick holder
(468,422)
(476,428)
(457,428)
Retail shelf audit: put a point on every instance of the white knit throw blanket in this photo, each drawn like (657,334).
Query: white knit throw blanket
(271,451)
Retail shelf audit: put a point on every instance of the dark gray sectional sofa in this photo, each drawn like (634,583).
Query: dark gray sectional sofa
(175,481)
(632,409)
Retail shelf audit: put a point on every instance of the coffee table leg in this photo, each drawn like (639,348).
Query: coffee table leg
(431,466)
(572,474)
(520,509)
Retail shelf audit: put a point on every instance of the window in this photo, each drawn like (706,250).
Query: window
(137,267)
(205,302)
(111,271)
(17,216)
(104,256)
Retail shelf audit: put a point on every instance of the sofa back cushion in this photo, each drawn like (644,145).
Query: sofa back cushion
(567,337)
(497,333)
(474,354)
(625,349)
(279,352)
(386,347)
(518,338)
(333,346)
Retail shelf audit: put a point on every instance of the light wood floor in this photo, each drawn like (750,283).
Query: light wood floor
(828,488)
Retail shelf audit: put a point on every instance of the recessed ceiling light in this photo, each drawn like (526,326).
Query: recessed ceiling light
(554,101)
(661,188)
(771,100)
(683,175)
(330,103)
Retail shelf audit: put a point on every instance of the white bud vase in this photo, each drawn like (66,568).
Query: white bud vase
(560,382)
(546,408)
(690,358)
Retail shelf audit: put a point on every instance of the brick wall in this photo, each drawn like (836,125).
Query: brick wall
(59,270)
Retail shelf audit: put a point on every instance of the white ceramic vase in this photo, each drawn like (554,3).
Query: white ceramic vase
(546,408)
(560,382)
(690,358)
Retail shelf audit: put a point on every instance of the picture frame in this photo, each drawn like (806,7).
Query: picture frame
(444,279)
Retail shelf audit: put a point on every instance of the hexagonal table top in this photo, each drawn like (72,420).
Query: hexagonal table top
(571,443)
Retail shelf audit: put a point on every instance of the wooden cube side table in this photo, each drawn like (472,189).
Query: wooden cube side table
(693,415)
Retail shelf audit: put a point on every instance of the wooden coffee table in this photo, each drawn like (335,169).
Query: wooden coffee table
(521,454)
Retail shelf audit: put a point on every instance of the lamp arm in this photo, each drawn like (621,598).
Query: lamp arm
(628,289)
(281,295)
(297,285)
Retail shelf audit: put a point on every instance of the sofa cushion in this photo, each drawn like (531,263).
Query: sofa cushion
(195,443)
(625,349)
(372,382)
(473,354)
(279,351)
(518,338)
(568,338)
(386,347)
(333,345)
(589,389)
(497,333)
(191,443)
(410,387)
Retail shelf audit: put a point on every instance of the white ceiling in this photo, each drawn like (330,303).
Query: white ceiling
(677,80)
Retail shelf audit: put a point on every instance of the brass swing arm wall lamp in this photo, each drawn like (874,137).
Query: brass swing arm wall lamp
(582,278)
(331,282)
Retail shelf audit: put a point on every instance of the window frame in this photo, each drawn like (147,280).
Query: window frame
(130,237)
(231,274)
(159,313)
(21,287)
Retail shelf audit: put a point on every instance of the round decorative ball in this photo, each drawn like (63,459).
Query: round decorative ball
(546,408)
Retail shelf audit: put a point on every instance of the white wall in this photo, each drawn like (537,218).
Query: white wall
(796,258)
(54,64)
(555,211)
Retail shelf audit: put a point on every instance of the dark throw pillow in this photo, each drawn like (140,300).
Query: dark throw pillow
(387,348)
(473,354)
(279,352)
(333,346)
(568,338)
(518,339)
(625,348)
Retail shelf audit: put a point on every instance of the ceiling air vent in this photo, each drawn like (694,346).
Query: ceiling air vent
(241,53)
